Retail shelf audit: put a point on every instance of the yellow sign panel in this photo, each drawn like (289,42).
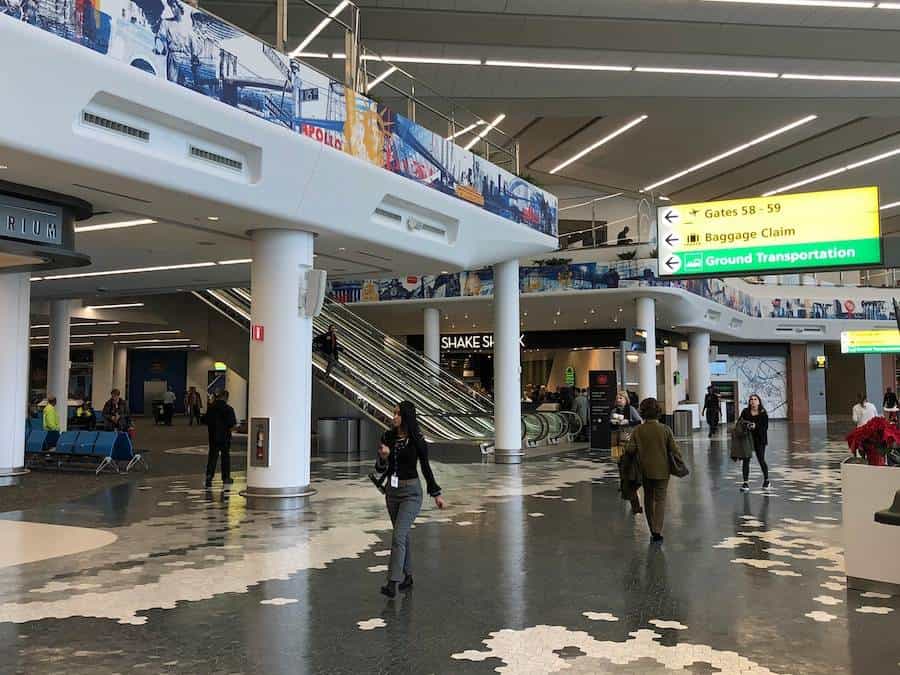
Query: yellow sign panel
(870,341)
(835,228)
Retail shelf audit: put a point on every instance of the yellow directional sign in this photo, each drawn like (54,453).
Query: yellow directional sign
(870,341)
(813,230)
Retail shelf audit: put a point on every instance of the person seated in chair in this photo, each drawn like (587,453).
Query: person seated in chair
(85,417)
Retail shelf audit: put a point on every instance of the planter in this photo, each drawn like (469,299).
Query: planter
(871,550)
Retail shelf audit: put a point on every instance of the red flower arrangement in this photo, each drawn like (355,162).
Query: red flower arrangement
(873,440)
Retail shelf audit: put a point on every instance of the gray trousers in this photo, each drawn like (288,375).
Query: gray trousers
(403,505)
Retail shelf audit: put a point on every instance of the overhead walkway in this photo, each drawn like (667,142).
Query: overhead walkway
(377,371)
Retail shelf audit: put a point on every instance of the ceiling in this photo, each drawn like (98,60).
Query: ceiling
(555,113)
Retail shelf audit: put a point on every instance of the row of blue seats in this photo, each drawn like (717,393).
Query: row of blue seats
(115,445)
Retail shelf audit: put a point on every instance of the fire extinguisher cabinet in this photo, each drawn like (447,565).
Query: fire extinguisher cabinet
(338,435)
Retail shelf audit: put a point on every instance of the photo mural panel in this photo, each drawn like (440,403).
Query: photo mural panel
(196,50)
(626,274)
(765,376)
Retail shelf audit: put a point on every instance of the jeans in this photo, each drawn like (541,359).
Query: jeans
(403,505)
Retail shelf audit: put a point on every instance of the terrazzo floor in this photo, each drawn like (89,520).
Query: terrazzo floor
(532,569)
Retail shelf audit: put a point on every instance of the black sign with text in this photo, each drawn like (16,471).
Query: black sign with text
(602,400)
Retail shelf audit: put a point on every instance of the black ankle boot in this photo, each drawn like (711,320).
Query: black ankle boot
(389,589)
(406,584)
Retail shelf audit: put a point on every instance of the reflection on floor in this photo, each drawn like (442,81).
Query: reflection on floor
(532,569)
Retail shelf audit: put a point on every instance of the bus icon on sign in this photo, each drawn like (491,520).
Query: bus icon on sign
(693,262)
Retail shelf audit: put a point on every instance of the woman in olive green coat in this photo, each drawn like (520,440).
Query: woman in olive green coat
(653,442)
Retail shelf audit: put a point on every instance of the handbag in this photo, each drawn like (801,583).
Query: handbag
(741,441)
(677,467)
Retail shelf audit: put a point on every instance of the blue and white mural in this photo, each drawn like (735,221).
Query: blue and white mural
(198,51)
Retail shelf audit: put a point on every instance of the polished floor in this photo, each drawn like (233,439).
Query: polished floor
(532,569)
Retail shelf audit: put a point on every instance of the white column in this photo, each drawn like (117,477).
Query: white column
(507,365)
(646,321)
(280,368)
(433,338)
(102,376)
(120,371)
(15,296)
(698,367)
(58,363)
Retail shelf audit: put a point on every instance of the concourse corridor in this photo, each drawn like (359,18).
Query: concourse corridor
(538,568)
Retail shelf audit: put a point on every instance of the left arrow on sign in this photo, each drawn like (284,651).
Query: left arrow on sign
(671,239)
(671,216)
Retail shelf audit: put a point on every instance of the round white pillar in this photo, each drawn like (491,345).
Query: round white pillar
(698,366)
(102,376)
(646,321)
(507,365)
(280,379)
(15,296)
(432,331)
(120,370)
(58,363)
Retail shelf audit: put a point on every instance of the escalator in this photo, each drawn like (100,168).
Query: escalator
(376,371)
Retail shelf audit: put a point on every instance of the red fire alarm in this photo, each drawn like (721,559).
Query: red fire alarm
(258,332)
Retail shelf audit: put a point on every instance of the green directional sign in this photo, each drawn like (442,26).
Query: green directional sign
(810,231)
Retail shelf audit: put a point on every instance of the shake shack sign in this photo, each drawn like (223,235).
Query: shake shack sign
(471,343)
(30,221)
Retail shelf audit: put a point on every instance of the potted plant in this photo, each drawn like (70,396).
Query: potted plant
(873,440)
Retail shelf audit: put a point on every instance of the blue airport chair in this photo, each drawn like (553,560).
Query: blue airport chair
(66,443)
(86,442)
(36,442)
(103,447)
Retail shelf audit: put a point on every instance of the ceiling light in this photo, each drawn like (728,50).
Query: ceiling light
(839,78)
(733,151)
(311,55)
(153,340)
(850,4)
(319,28)
(705,71)
(484,132)
(890,206)
(593,201)
(621,310)
(556,66)
(464,131)
(236,261)
(213,218)
(390,71)
(834,172)
(114,226)
(585,322)
(592,310)
(134,270)
(143,332)
(121,305)
(602,141)
(881,5)
(168,347)
(418,59)
(3,167)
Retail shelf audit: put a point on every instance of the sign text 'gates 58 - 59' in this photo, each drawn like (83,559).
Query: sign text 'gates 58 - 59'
(814,230)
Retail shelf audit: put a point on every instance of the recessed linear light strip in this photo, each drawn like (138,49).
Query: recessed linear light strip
(120,305)
(114,226)
(155,347)
(651,70)
(892,205)
(463,132)
(319,28)
(834,172)
(601,142)
(732,151)
(485,131)
(151,340)
(848,4)
(386,74)
(106,335)
(593,201)
(142,270)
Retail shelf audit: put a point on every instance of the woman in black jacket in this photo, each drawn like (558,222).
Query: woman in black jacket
(402,447)
(756,420)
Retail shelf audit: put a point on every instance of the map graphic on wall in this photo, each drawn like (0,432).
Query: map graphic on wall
(199,51)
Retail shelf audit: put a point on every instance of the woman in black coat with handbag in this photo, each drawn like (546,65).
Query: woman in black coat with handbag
(755,421)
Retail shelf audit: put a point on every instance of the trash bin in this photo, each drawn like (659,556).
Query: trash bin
(338,435)
(683,423)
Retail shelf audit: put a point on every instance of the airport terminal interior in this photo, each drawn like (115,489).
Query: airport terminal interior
(450,337)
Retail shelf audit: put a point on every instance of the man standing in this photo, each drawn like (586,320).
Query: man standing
(168,405)
(711,409)
(51,417)
(582,410)
(115,412)
(327,345)
(221,422)
(193,404)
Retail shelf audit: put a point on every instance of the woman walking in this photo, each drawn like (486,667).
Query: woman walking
(402,447)
(755,420)
(654,442)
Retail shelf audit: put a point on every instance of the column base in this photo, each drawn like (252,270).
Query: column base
(509,456)
(12,476)
(277,499)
